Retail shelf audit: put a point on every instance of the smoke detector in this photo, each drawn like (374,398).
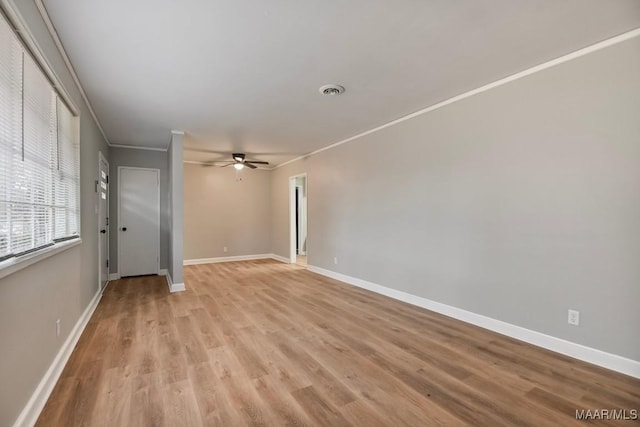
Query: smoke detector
(331,90)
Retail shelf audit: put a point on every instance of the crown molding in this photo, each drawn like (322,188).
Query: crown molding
(136,147)
(552,63)
(562,59)
(56,39)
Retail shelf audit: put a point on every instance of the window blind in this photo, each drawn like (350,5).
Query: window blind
(10,126)
(67,185)
(39,155)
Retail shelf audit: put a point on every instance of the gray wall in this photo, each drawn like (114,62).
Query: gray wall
(141,159)
(220,211)
(517,203)
(59,287)
(176,207)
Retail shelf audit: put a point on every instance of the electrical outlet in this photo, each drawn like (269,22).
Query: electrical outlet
(58,328)
(574,317)
(224,249)
(335,260)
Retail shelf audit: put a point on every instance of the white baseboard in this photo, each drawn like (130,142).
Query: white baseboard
(225,259)
(34,406)
(177,287)
(577,351)
(280,258)
(173,287)
(234,258)
(114,276)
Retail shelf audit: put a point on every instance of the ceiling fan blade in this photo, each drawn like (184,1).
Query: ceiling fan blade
(250,165)
(257,162)
(228,164)
(214,162)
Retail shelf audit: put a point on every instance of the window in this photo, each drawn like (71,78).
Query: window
(39,156)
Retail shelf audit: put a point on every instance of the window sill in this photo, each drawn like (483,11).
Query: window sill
(10,266)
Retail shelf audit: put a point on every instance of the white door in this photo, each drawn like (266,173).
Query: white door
(138,221)
(103,221)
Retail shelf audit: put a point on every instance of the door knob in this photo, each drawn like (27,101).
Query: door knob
(103,231)
(124,228)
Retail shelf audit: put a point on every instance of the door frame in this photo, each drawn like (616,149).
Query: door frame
(301,192)
(298,218)
(120,168)
(292,214)
(102,158)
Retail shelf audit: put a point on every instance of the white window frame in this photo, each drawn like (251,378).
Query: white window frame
(31,47)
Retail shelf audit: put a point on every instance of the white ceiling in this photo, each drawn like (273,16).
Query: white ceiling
(243,75)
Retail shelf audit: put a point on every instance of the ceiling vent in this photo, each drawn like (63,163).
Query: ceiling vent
(331,90)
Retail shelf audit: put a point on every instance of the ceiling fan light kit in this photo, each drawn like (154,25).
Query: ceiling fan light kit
(239,162)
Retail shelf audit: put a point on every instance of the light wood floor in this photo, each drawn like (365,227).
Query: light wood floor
(265,343)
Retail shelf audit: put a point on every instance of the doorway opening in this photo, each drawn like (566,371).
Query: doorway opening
(298,219)
(102,192)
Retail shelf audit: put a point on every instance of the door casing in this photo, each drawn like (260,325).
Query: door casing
(292,215)
(103,258)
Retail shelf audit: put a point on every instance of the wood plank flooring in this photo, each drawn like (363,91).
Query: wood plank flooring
(266,343)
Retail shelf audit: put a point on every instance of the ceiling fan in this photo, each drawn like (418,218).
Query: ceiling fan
(239,162)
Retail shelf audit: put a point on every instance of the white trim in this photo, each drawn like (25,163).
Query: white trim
(102,158)
(177,287)
(280,258)
(292,215)
(168,278)
(120,168)
(114,276)
(225,259)
(577,351)
(552,63)
(163,272)
(56,39)
(300,223)
(234,258)
(173,287)
(135,147)
(174,133)
(32,409)
(302,219)
(12,265)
